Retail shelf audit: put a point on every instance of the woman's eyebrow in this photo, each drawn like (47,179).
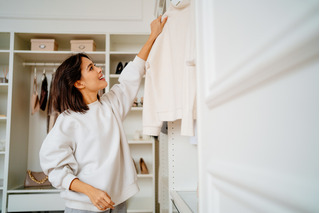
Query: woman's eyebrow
(89,65)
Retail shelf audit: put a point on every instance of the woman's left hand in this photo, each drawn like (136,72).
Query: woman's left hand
(157,26)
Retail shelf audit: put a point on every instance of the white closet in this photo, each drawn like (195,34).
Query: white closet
(23,133)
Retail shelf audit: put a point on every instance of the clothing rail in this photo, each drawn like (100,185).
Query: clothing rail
(35,64)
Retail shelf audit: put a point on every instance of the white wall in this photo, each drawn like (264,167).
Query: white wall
(74,16)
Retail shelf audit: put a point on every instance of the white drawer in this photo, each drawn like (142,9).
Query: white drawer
(35,202)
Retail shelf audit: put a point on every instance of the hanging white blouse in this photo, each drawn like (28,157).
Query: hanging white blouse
(170,84)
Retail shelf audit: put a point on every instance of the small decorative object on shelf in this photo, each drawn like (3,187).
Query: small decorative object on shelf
(44,45)
(135,102)
(2,144)
(137,135)
(4,78)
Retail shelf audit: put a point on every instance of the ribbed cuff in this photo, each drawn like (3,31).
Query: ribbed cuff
(67,181)
(154,131)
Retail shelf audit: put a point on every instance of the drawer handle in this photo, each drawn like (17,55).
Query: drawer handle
(42,46)
(81,47)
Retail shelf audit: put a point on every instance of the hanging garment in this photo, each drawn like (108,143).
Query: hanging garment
(52,114)
(170,84)
(35,106)
(44,92)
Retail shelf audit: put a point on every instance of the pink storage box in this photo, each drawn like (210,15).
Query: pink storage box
(43,45)
(83,45)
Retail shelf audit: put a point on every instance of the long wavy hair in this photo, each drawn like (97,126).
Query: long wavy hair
(65,96)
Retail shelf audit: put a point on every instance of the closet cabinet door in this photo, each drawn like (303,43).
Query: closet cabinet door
(258,106)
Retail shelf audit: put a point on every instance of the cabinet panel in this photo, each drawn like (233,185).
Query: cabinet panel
(127,43)
(4,41)
(3,99)
(35,202)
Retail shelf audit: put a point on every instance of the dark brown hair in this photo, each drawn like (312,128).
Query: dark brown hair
(65,96)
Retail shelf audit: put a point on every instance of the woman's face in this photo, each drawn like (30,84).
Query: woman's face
(91,76)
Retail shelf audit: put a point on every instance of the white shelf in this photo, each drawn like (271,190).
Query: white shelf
(55,56)
(4,84)
(136,108)
(4,51)
(145,176)
(118,75)
(185,201)
(3,118)
(140,141)
(2,152)
(22,190)
(123,53)
(114,75)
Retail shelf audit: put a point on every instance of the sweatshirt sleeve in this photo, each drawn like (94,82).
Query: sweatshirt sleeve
(122,95)
(56,154)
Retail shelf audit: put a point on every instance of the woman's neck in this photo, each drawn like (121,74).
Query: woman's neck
(89,97)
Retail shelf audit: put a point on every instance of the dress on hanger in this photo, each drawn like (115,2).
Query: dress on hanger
(170,84)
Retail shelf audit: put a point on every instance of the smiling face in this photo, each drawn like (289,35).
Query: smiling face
(92,79)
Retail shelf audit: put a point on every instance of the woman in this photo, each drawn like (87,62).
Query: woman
(86,154)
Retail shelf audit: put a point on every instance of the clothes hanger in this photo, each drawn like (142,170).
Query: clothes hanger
(35,73)
(44,74)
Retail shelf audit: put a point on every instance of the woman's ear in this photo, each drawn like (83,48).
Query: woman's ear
(79,85)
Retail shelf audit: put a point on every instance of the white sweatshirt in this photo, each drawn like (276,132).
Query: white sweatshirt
(170,84)
(93,146)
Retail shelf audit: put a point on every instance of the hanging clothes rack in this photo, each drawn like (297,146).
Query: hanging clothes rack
(41,64)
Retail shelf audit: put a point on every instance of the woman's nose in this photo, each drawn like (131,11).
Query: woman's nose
(99,70)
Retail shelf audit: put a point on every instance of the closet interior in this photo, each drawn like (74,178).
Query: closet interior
(22,133)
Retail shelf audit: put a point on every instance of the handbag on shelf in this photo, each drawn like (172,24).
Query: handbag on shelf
(36,180)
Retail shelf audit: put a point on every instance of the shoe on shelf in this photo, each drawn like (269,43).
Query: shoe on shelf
(135,166)
(143,167)
(135,102)
(119,68)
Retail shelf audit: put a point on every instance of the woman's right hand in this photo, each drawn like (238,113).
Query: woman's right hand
(99,198)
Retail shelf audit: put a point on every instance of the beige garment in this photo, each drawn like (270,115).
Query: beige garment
(170,84)
(35,104)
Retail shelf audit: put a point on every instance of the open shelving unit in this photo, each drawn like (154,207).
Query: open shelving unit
(22,150)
